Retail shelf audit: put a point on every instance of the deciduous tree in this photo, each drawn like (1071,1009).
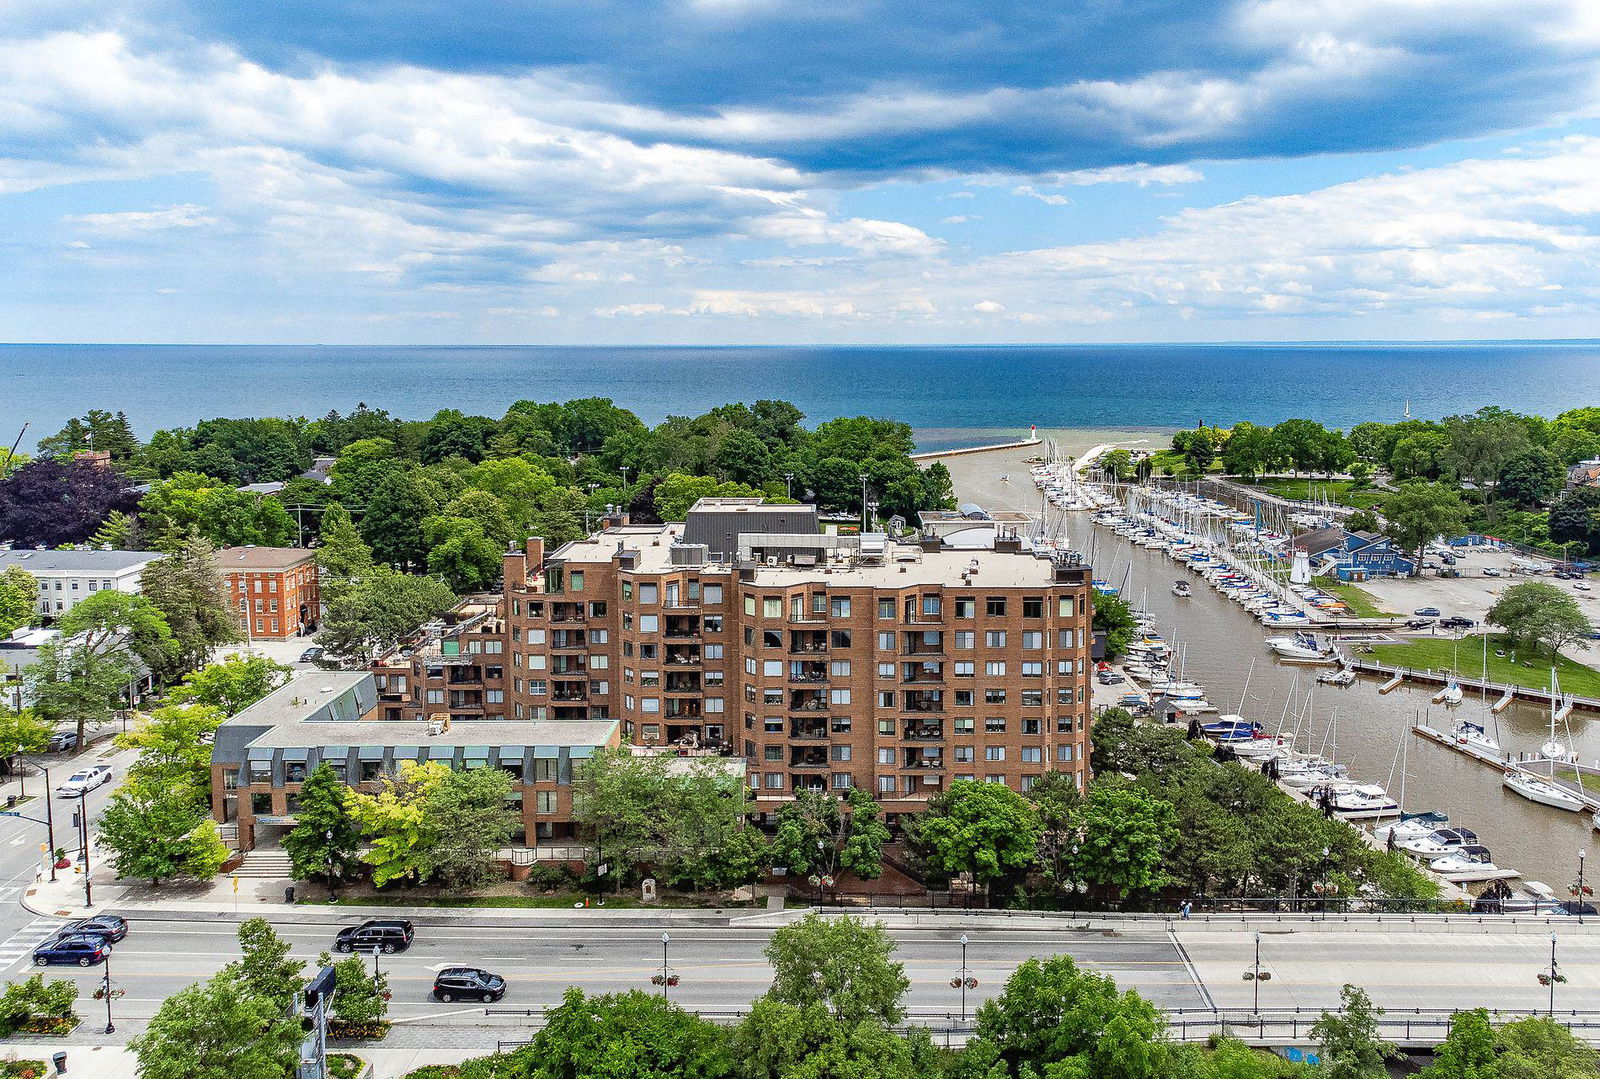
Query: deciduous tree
(1539,613)
(1418,513)
(1124,836)
(265,969)
(159,829)
(186,587)
(217,1030)
(842,964)
(1348,1039)
(985,829)
(625,1034)
(326,837)
(396,821)
(49,502)
(19,599)
(233,683)
(471,821)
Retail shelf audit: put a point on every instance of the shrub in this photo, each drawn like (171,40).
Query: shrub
(33,1006)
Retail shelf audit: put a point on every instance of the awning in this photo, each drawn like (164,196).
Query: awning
(441,753)
(407,753)
(581,752)
(512,753)
(371,753)
(475,756)
(260,753)
(546,752)
(335,753)
(297,754)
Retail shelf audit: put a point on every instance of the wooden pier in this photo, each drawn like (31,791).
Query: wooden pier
(1476,686)
(1540,767)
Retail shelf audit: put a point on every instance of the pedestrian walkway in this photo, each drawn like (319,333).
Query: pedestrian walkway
(25,940)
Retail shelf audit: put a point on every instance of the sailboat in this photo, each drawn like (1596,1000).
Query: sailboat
(1542,791)
(1474,736)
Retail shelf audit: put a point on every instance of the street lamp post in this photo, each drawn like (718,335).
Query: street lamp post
(1578,889)
(83,845)
(664,977)
(1326,854)
(964,980)
(1256,975)
(50,823)
(788,485)
(333,885)
(1552,976)
(872,508)
(108,992)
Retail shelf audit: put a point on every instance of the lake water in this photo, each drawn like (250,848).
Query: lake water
(951,395)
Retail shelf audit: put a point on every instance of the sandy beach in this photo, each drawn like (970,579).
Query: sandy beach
(977,476)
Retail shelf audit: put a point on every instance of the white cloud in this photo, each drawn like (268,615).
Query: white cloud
(132,222)
(988,307)
(1048,198)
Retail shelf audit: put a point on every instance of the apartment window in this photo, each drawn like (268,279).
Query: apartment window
(772,668)
(772,724)
(712,593)
(771,697)
(272,606)
(544,802)
(536,687)
(1064,607)
(886,644)
(966,607)
(841,781)
(1063,666)
(258,584)
(886,698)
(596,636)
(994,725)
(772,753)
(711,651)
(772,607)
(597,610)
(840,753)
(886,784)
(995,606)
(1000,780)
(994,696)
(749,605)
(840,638)
(839,607)
(536,636)
(650,732)
(575,580)
(1064,724)
(259,608)
(435,696)
(713,679)
(994,638)
(774,781)
(1032,640)
(838,696)
(272,585)
(649,593)
(886,756)
(1031,726)
(649,623)
(770,638)
(886,608)
(839,668)
(964,726)
(1064,754)
(627,589)
(963,754)
(1033,670)
(886,726)
(1031,754)
(1032,698)
(930,606)
(994,753)
(965,639)
(995,667)
(714,705)
(599,663)
(840,725)
(672,594)
(963,698)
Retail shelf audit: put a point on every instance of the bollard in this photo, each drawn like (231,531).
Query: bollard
(288,894)
(60,1061)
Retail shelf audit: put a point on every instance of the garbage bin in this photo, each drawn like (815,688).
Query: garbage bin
(288,894)
(60,1061)
(11,801)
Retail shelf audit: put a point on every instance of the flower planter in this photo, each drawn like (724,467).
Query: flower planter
(344,1031)
(47,1027)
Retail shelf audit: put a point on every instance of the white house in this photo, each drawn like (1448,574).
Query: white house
(65,577)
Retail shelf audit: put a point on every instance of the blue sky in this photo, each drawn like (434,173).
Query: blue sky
(777,171)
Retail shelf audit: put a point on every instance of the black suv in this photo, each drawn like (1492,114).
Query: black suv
(468,983)
(386,935)
(108,927)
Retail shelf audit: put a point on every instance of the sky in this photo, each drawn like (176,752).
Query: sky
(798,171)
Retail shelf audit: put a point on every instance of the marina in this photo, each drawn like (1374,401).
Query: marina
(1223,646)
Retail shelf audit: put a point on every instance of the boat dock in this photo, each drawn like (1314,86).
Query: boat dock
(1504,693)
(1539,767)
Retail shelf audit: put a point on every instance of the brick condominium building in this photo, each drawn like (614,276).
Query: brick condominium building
(272,591)
(826,662)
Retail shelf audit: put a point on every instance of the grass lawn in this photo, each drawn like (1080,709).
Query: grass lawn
(1306,489)
(1362,604)
(1427,652)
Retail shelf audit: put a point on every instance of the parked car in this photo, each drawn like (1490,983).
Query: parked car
(85,951)
(1426,612)
(312,654)
(1111,678)
(107,927)
(1456,622)
(1490,571)
(385,934)
(61,741)
(85,780)
(1582,586)
(468,983)
(1419,623)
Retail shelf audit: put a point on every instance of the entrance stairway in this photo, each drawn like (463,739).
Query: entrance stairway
(266,862)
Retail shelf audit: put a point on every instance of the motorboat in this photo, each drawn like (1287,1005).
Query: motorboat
(1337,678)
(1542,791)
(1362,801)
(1411,826)
(1450,694)
(1181,589)
(1310,773)
(1258,747)
(1472,736)
(1437,844)
(1301,646)
(1231,727)
(1469,864)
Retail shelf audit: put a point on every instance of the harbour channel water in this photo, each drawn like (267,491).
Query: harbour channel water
(1220,641)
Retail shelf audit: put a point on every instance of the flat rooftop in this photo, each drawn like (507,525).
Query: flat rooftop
(507,732)
(83,561)
(902,564)
(258,558)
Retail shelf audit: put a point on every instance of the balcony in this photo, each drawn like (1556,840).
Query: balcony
(808,729)
(921,730)
(924,759)
(808,642)
(682,626)
(566,612)
(807,671)
(807,700)
(569,665)
(569,691)
(808,757)
(568,639)
(684,710)
(922,701)
(683,655)
(915,673)
(683,682)
(927,643)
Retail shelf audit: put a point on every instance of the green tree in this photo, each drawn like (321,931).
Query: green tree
(985,829)
(1468,1052)
(1541,1048)
(1124,837)
(360,996)
(217,1030)
(265,969)
(1052,1014)
(1418,513)
(842,964)
(677,492)
(232,683)
(192,502)
(1114,618)
(119,532)
(488,512)
(107,641)
(1348,1039)
(396,821)
(159,829)
(1575,518)
(1249,451)
(19,599)
(392,523)
(459,552)
(385,606)
(625,1034)
(326,838)
(469,813)
(343,558)
(619,802)
(781,1041)
(1303,443)
(820,833)
(21,732)
(186,587)
(1531,478)
(31,999)
(173,742)
(1539,613)
(1363,521)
